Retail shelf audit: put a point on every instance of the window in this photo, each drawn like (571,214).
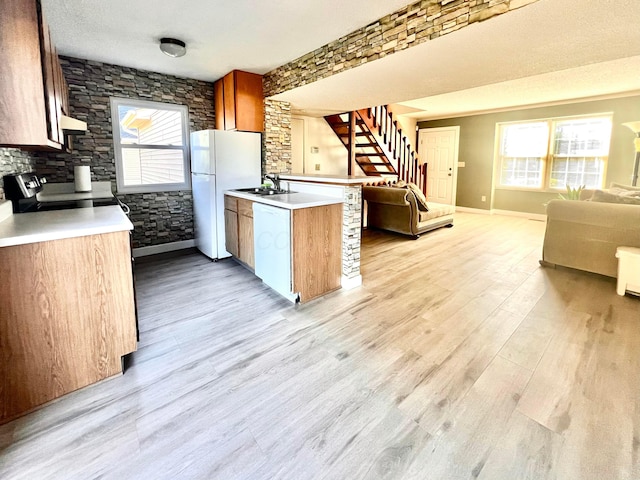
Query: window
(151,146)
(554,153)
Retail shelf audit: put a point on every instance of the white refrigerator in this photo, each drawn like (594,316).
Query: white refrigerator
(220,160)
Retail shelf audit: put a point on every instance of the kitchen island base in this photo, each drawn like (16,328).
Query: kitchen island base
(67,317)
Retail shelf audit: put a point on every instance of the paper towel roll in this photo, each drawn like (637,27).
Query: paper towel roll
(82,176)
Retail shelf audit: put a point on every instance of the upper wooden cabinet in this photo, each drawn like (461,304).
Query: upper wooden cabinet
(33,91)
(239,102)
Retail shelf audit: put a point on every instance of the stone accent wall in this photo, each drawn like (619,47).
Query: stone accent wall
(14,161)
(276,141)
(412,25)
(160,217)
(351,231)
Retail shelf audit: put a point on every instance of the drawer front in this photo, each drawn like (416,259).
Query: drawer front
(245,207)
(230,203)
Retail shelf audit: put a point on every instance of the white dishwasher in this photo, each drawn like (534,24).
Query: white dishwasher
(272,244)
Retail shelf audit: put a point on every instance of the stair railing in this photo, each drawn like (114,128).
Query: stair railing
(408,166)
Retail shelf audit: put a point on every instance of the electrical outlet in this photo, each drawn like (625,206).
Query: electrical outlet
(317,166)
(483,198)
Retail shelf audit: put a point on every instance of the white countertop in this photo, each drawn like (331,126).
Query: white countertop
(61,192)
(290,201)
(22,228)
(319,178)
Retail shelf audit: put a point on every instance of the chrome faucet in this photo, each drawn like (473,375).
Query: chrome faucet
(275,178)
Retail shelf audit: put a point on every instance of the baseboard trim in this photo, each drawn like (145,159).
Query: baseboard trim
(513,213)
(163,248)
(506,213)
(349,283)
(473,210)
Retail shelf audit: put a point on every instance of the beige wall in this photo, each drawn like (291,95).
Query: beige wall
(331,156)
(477,144)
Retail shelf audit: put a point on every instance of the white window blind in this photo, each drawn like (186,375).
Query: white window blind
(151,146)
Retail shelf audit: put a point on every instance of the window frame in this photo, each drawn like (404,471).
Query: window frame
(116,102)
(547,160)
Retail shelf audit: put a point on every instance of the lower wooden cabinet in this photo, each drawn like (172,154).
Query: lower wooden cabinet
(245,232)
(67,317)
(238,224)
(231,232)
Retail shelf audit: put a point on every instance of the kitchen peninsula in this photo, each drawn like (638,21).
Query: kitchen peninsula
(292,241)
(67,311)
(349,189)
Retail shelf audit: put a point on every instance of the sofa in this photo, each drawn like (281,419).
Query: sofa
(396,209)
(585,234)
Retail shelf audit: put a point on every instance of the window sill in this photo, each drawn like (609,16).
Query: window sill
(152,189)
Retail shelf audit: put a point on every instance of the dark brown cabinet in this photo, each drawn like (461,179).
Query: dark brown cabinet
(239,102)
(33,91)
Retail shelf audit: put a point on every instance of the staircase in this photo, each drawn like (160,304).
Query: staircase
(377,145)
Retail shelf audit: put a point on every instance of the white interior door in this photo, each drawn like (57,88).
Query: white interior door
(439,148)
(297,145)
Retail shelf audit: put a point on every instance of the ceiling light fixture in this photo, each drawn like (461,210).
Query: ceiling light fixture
(173,47)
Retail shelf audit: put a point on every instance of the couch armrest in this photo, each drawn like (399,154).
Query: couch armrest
(386,195)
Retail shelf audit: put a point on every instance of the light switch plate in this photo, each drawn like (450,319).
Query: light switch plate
(461,164)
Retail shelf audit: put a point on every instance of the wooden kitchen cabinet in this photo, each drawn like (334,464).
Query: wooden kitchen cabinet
(316,250)
(67,317)
(239,102)
(238,224)
(33,91)
(245,232)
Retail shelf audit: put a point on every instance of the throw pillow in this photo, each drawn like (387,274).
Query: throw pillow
(624,192)
(400,184)
(608,197)
(421,200)
(624,187)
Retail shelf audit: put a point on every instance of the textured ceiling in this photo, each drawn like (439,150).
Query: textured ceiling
(546,52)
(221,35)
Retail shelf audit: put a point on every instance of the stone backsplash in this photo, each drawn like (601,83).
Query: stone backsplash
(14,161)
(159,217)
(412,25)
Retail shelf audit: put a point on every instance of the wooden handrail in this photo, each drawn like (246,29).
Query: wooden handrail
(397,145)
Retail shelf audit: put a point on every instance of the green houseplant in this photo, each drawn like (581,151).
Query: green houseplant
(572,193)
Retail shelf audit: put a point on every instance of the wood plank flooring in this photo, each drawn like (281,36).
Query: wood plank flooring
(459,358)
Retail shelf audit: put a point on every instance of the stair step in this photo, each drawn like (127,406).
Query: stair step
(376,154)
(375,163)
(365,145)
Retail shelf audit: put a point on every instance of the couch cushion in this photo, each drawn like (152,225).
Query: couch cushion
(436,210)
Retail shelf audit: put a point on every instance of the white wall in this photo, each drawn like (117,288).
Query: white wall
(331,156)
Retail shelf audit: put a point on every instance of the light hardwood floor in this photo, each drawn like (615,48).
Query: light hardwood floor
(459,358)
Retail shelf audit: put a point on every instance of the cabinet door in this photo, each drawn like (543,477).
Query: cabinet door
(229,101)
(249,102)
(23,120)
(245,240)
(51,79)
(231,232)
(218,101)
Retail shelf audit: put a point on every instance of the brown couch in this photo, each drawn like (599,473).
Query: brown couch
(396,209)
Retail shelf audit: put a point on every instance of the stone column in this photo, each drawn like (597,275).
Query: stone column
(351,236)
(276,142)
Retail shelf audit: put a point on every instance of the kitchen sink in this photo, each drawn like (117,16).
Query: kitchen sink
(262,191)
